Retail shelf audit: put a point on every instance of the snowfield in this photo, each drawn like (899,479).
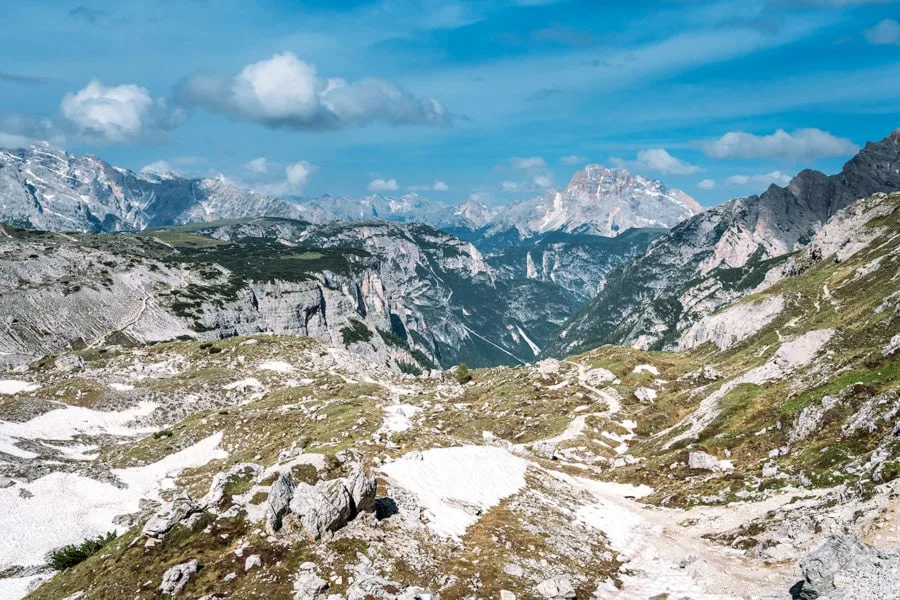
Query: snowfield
(455,485)
(66,508)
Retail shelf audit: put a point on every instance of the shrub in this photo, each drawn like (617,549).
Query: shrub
(71,555)
(462,373)
(356,331)
(164,433)
(409,368)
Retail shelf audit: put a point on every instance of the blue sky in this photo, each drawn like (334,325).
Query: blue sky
(495,99)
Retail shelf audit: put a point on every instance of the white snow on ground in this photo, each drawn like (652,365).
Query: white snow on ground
(121,387)
(14,386)
(398,418)
(19,587)
(454,485)
(244,384)
(534,347)
(67,422)
(279,366)
(66,508)
(646,369)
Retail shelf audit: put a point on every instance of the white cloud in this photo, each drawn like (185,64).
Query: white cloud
(762,180)
(437,186)
(542,182)
(509,186)
(117,114)
(159,167)
(706,184)
(383,185)
(298,174)
(532,162)
(885,33)
(800,144)
(259,165)
(658,160)
(573,159)
(287,92)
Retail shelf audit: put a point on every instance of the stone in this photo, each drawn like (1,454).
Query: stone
(216,493)
(322,508)
(507,595)
(253,561)
(707,462)
(362,490)
(175,578)
(645,394)
(279,500)
(308,585)
(69,362)
(556,588)
(170,515)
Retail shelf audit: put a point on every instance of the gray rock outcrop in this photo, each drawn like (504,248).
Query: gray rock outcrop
(556,588)
(175,578)
(844,568)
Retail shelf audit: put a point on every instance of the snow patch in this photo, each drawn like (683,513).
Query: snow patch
(398,418)
(121,387)
(66,508)
(10,387)
(646,369)
(455,485)
(279,366)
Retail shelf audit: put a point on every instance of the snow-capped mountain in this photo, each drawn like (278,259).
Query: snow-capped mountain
(723,254)
(46,188)
(599,201)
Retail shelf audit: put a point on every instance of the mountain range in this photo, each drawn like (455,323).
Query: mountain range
(46,188)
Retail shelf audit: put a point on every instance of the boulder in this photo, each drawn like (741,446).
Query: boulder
(308,585)
(556,588)
(507,595)
(175,578)
(253,561)
(707,462)
(170,515)
(279,500)
(645,394)
(216,492)
(322,508)
(362,490)
(69,362)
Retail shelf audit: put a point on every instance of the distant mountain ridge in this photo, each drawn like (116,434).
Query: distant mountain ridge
(46,188)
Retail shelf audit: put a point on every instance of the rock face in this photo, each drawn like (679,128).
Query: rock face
(722,254)
(432,297)
(845,568)
(175,578)
(279,500)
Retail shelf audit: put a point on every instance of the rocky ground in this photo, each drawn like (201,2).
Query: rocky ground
(761,460)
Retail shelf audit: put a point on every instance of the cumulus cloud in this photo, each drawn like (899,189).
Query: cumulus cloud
(573,159)
(707,184)
(19,131)
(532,162)
(383,185)
(509,186)
(658,160)
(117,114)
(762,180)
(798,145)
(158,167)
(886,33)
(437,186)
(287,92)
(259,165)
